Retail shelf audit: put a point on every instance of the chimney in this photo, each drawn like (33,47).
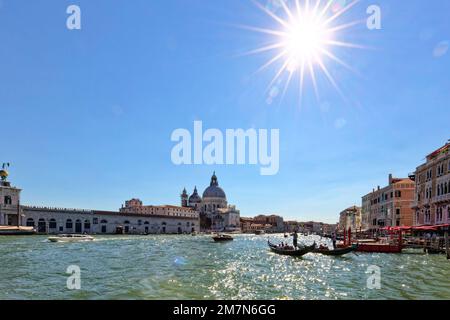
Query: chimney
(390,178)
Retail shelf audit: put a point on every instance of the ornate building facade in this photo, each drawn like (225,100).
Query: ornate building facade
(390,206)
(215,212)
(432,189)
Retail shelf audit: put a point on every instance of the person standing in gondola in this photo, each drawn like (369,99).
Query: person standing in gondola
(295,239)
(334,240)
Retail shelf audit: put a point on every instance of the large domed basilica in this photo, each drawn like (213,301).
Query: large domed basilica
(215,213)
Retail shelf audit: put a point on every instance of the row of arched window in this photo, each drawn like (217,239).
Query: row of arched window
(52,224)
(443,188)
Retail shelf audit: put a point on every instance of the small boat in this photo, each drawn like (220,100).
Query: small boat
(336,252)
(71,238)
(222,238)
(292,251)
(259,232)
(194,233)
(286,235)
(16,231)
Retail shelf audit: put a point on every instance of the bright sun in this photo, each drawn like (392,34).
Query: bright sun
(304,39)
(306,36)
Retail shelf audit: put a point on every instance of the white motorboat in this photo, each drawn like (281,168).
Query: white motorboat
(71,238)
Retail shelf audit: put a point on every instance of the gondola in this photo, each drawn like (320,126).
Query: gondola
(291,252)
(222,238)
(337,252)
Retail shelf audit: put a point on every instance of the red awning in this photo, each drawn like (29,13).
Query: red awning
(426,228)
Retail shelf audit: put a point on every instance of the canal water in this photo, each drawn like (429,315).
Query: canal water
(187,267)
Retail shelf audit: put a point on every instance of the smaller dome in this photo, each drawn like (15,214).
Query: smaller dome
(195,198)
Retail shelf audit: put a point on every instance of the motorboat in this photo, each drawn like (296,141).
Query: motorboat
(71,238)
(222,238)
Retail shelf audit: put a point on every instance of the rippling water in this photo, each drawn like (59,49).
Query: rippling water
(186,267)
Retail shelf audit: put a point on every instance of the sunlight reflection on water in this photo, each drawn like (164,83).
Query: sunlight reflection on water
(186,267)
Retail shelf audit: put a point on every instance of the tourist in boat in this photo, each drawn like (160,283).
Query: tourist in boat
(295,239)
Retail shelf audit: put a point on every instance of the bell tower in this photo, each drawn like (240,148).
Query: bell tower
(184,198)
(9,200)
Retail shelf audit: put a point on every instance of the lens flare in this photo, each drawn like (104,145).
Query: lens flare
(307,34)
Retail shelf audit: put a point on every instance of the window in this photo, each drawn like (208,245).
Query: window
(95,221)
(30,222)
(104,221)
(69,224)
(8,200)
(52,224)
(87,224)
(397,211)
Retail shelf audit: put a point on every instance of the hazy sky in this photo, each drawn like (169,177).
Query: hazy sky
(86,115)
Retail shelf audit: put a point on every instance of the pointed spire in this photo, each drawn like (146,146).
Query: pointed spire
(214,181)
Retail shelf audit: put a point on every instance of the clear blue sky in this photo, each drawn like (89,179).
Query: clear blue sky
(86,116)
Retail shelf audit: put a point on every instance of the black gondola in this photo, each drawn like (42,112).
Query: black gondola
(291,252)
(337,252)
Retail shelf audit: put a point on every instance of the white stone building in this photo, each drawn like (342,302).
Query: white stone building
(133,218)
(215,213)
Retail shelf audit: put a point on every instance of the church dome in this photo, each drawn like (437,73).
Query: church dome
(195,198)
(214,191)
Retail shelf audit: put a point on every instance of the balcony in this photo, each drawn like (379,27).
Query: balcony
(442,198)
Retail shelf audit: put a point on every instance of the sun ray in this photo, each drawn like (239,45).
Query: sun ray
(301,82)
(271,14)
(339,61)
(346,44)
(313,78)
(262,30)
(271,61)
(341,12)
(346,25)
(325,9)
(329,76)
(277,76)
(287,10)
(262,49)
(316,7)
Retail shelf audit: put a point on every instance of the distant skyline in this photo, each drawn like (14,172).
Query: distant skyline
(87,115)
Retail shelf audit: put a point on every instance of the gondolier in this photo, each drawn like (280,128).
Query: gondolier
(334,240)
(295,239)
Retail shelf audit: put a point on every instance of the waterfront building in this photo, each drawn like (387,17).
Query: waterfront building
(9,201)
(329,228)
(390,206)
(365,212)
(273,223)
(350,218)
(432,189)
(132,218)
(215,212)
(268,223)
(291,226)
